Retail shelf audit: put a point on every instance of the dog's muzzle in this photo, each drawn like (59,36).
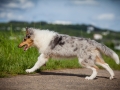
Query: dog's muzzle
(23,45)
(19,46)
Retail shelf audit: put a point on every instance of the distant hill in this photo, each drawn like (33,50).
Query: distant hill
(82,30)
(45,25)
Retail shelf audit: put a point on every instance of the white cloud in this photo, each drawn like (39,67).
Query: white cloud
(11,16)
(88,2)
(2,15)
(23,4)
(62,22)
(12,5)
(28,5)
(106,16)
(22,1)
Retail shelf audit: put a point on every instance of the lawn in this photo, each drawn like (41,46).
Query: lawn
(14,61)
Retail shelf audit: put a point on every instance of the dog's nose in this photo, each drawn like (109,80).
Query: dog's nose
(19,46)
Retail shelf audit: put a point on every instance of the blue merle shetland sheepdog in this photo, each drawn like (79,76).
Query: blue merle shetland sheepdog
(54,45)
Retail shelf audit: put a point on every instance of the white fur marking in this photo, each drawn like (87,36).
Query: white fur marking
(41,61)
(94,74)
(42,39)
(107,67)
(116,58)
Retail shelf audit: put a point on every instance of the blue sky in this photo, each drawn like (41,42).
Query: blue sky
(100,13)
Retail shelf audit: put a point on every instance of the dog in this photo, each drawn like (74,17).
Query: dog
(54,45)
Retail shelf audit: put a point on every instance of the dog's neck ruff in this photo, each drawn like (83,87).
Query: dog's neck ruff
(42,39)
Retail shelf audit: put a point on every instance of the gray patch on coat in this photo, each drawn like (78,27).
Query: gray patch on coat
(75,49)
(57,40)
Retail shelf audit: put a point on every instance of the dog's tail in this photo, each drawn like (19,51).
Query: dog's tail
(107,51)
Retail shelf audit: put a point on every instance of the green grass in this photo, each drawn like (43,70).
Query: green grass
(14,61)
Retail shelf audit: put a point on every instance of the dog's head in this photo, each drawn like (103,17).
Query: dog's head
(28,41)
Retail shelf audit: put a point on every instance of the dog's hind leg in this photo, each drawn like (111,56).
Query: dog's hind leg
(94,68)
(101,62)
(42,59)
(94,74)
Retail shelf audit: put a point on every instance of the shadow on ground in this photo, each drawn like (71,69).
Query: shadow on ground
(68,74)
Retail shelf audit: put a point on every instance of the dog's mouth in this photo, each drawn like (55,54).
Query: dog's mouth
(25,47)
(26,44)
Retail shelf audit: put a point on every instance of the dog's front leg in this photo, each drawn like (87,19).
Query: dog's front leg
(42,59)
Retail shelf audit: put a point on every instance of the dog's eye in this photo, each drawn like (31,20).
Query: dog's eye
(24,39)
(28,36)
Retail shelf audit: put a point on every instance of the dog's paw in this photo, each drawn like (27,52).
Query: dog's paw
(88,78)
(29,70)
(111,77)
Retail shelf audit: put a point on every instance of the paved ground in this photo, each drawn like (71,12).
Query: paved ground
(68,79)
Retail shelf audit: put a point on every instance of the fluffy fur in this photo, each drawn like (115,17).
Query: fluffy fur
(54,45)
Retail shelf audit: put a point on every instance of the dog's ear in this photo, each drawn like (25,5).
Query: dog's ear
(27,31)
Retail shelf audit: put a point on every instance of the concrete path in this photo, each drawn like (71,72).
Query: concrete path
(68,79)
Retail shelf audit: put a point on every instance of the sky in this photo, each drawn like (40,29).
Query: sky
(100,13)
